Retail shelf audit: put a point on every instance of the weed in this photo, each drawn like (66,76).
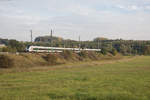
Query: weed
(6,61)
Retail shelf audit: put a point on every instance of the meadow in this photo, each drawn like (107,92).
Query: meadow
(124,79)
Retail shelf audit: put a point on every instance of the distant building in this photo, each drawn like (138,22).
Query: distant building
(2,45)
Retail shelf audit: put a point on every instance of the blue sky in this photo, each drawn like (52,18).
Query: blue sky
(126,19)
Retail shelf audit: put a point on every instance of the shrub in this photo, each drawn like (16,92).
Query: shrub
(114,52)
(6,61)
(1,49)
(104,51)
(93,55)
(146,50)
(67,54)
(51,59)
(8,49)
(83,54)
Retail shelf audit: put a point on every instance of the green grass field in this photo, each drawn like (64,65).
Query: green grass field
(126,79)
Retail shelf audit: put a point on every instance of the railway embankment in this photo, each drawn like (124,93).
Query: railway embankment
(27,60)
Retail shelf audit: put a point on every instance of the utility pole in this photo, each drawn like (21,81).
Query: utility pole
(111,45)
(79,44)
(31,36)
(51,37)
(98,44)
(64,42)
(51,33)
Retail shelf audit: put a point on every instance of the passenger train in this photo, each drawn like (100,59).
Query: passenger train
(42,49)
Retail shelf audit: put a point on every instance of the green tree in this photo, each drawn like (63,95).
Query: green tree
(16,45)
(104,51)
(147,50)
(114,51)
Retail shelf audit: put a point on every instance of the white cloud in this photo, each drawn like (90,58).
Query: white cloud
(147,7)
(89,18)
(133,7)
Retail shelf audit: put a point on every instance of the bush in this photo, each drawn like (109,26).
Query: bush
(1,49)
(8,49)
(6,61)
(67,54)
(146,50)
(114,52)
(104,51)
(83,54)
(93,55)
(51,59)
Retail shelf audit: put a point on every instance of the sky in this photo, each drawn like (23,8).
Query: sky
(114,19)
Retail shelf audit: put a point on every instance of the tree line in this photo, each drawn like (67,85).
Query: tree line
(125,47)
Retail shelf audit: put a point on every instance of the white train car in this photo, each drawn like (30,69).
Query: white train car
(42,49)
